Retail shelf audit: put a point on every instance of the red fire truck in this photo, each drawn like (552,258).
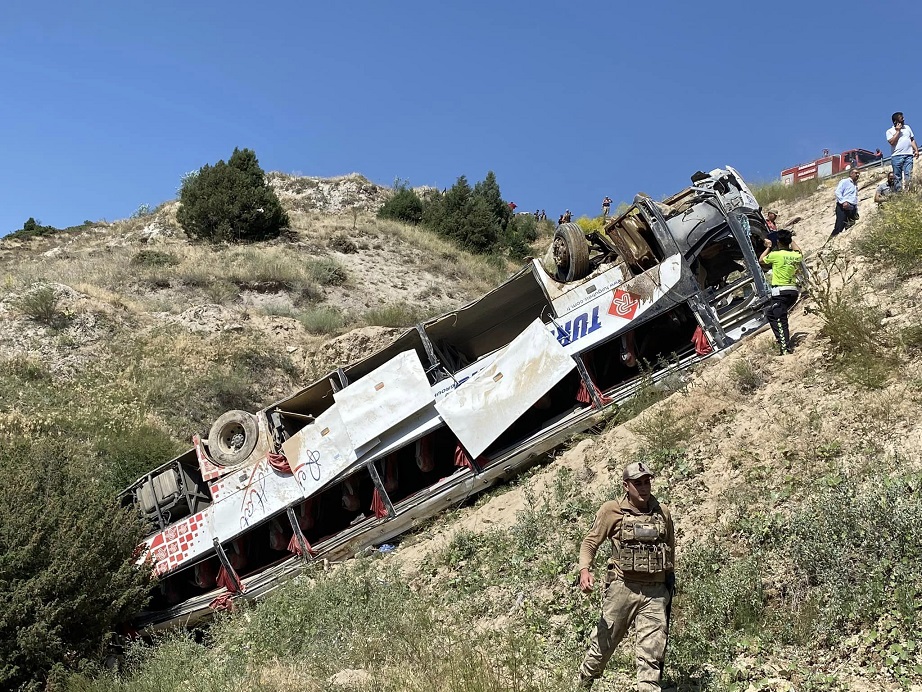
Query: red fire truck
(830,164)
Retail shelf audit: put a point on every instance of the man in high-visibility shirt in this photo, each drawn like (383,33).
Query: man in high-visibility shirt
(784,264)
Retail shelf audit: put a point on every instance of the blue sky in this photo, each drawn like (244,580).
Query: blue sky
(106,104)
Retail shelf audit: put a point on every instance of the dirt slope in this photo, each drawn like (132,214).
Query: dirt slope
(732,437)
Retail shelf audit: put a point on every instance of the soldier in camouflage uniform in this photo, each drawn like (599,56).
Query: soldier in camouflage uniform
(639,581)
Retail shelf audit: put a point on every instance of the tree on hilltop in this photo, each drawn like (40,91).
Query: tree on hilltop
(231,202)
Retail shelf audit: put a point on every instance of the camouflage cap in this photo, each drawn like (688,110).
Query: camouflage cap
(637,470)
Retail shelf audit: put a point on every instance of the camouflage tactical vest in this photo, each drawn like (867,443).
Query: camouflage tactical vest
(642,545)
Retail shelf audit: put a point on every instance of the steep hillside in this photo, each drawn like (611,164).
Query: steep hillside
(794,481)
(151,331)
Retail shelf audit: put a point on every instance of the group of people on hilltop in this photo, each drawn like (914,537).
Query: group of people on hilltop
(903,152)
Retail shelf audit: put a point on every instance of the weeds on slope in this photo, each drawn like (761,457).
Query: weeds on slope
(776,191)
(499,610)
(855,329)
(895,236)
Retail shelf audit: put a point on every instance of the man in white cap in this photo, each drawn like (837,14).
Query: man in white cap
(639,581)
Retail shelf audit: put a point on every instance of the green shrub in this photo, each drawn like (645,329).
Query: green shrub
(520,231)
(718,600)
(463,217)
(42,303)
(154,258)
(911,338)
(32,228)
(862,561)
(895,236)
(322,320)
(67,576)
(745,376)
(855,330)
(664,435)
(590,224)
(326,271)
(142,211)
(404,205)
(343,243)
(231,202)
(776,191)
(395,315)
(127,450)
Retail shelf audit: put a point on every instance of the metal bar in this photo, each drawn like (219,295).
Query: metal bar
(299,534)
(590,385)
(225,563)
(379,485)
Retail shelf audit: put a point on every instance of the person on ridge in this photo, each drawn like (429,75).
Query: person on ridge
(784,264)
(639,583)
(885,189)
(846,202)
(903,150)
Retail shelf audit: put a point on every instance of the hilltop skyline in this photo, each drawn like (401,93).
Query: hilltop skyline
(109,106)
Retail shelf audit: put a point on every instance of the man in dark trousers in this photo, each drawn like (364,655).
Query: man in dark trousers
(639,581)
(784,263)
(846,202)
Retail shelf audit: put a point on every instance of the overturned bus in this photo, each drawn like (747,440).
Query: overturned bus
(454,404)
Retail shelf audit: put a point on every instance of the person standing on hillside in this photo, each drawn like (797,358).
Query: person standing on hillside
(566,216)
(846,202)
(784,263)
(606,206)
(903,150)
(639,583)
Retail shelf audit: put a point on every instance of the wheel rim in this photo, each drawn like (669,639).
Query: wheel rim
(233,437)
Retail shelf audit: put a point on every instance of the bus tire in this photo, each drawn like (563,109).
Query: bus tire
(232,438)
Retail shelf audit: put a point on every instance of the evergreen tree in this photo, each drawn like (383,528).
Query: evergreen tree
(488,190)
(67,572)
(463,217)
(404,205)
(231,202)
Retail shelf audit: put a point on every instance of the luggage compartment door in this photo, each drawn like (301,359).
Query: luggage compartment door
(321,451)
(480,409)
(384,397)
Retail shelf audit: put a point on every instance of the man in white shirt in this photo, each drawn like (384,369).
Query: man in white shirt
(846,202)
(903,150)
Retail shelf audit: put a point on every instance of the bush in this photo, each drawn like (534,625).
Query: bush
(153,258)
(404,205)
(854,329)
(343,243)
(42,304)
(463,217)
(776,191)
(746,377)
(326,271)
(322,320)
(67,576)
(895,237)
(231,202)
(857,562)
(395,315)
(32,228)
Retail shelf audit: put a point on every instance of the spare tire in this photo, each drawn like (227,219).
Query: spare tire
(571,252)
(232,438)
